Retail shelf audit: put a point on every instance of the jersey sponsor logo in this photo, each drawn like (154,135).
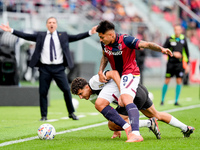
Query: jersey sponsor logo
(173,43)
(181,74)
(182,41)
(101,86)
(120,46)
(168,75)
(107,51)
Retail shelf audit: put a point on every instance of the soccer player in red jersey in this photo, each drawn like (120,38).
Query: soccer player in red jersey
(119,51)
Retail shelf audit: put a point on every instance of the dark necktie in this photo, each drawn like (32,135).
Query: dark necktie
(52,48)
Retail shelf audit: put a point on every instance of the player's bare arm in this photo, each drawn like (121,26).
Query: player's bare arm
(114,74)
(6,27)
(155,47)
(104,62)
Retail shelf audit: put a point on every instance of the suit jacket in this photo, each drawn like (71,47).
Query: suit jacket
(39,38)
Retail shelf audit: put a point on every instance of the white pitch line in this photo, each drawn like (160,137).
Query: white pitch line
(18,141)
(182,108)
(91,126)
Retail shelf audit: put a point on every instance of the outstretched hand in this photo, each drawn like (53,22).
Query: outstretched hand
(116,134)
(93,30)
(167,51)
(6,27)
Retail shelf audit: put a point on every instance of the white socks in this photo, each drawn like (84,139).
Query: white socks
(144,123)
(136,132)
(125,126)
(176,123)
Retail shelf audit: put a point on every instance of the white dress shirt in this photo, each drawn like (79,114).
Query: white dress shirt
(45,55)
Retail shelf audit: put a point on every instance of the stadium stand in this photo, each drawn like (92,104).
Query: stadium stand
(148,20)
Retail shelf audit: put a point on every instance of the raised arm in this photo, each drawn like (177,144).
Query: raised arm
(114,74)
(73,38)
(26,36)
(155,47)
(104,62)
(6,27)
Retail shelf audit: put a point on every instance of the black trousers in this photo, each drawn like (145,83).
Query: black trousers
(56,72)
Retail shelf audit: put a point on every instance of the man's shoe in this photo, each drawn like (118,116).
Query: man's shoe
(43,118)
(188,132)
(161,103)
(176,104)
(73,116)
(135,138)
(154,127)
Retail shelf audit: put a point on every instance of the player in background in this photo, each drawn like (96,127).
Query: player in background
(119,51)
(177,64)
(110,92)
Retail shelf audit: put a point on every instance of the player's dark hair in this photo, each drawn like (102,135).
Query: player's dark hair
(78,83)
(105,26)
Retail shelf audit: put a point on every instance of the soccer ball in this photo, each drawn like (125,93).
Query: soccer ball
(151,96)
(75,103)
(46,132)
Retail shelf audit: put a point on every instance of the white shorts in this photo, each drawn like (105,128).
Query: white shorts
(129,84)
(110,92)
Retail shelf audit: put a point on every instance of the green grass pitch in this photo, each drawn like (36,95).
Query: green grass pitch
(18,123)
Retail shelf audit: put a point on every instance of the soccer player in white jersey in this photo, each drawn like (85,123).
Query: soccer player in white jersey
(109,92)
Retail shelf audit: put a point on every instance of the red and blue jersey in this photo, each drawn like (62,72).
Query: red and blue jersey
(121,54)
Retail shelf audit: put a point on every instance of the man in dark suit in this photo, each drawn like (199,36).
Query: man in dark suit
(52,55)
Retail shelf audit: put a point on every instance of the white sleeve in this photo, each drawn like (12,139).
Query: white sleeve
(95,84)
(90,32)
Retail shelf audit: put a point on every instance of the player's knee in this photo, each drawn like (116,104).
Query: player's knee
(99,106)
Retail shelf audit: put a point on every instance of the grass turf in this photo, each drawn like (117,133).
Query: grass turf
(23,122)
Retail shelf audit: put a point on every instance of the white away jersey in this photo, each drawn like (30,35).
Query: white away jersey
(108,91)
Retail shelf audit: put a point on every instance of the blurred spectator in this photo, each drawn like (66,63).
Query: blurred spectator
(130,10)
(126,26)
(108,15)
(189,24)
(30,72)
(167,5)
(119,11)
(140,55)
(195,6)
(72,4)
(1,6)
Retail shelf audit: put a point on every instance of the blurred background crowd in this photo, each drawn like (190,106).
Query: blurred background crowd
(149,20)
(113,10)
